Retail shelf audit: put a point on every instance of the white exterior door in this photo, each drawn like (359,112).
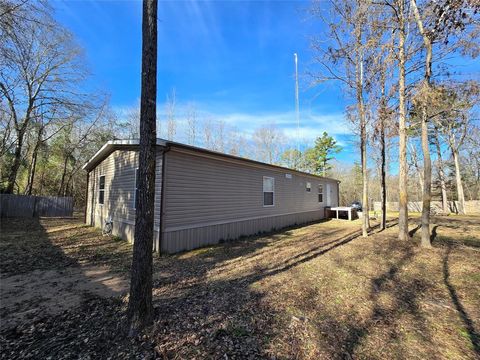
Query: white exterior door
(329,196)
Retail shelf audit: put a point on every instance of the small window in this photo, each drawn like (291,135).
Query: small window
(320,193)
(101,190)
(268,191)
(135,196)
(308,187)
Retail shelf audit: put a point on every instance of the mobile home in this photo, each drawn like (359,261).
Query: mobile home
(202,197)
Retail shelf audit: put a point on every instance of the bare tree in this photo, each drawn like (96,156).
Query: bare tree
(140,308)
(414,161)
(452,16)
(191,125)
(454,124)
(219,136)
(236,143)
(41,66)
(207,130)
(130,122)
(382,128)
(346,59)
(170,115)
(268,141)
(427,162)
(403,176)
(41,125)
(441,170)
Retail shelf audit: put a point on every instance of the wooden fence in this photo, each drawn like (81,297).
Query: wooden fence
(35,206)
(471,206)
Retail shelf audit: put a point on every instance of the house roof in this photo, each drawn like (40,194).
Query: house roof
(133,144)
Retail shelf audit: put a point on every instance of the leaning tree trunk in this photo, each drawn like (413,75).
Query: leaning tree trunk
(33,165)
(140,308)
(458,178)
(427,162)
(402,179)
(17,158)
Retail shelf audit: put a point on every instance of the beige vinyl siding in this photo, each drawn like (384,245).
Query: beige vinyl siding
(202,190)
(119,171)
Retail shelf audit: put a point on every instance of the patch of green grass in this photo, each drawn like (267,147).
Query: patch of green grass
(238,331)
(474,277)
(466,335)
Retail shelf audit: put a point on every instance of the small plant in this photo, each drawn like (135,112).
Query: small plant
(116,238)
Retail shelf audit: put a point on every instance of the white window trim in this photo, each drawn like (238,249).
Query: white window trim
(263,191)
(308,187)
(135,189)
(323,193)
(104,188)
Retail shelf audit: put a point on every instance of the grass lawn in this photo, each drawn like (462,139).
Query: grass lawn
(315,292)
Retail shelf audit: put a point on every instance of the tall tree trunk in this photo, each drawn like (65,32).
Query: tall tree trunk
(383,153)
(427,182)
(363,133)
(64,174)
(17,158)
(31,172)
(441,174)
(402,183)
(413,154)
(140,308)
(33,165)
(458,178)
(383,184)
(427,162)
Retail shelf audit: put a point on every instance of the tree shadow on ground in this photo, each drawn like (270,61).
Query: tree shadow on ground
(26,246)
(392,297)
(40,281)
(473,335)
(235,300)
(215,305)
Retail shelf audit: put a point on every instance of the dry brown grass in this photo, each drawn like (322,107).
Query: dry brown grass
(315,292)
(54,243)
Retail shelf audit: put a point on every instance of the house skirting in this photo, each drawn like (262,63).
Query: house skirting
(188,238)
(124,229)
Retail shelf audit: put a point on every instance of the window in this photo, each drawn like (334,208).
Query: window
(320,193)
(101,190)
(135,195)
(268,191)
(308,187)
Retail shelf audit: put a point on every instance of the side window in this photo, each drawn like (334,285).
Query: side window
(268,191)
(101,190)
(320,193)
(308,187)
(135,195)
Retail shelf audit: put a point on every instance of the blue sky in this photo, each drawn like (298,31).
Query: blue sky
(232,59)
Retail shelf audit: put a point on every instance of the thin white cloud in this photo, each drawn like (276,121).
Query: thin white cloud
(311,125)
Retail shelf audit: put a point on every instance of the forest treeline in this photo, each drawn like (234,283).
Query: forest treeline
(413,113)
(52,121)
(398,63)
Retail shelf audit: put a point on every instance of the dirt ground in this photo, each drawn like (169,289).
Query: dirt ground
(315,292)
(49,266)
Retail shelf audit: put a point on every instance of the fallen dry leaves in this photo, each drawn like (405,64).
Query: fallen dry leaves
(309,293)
